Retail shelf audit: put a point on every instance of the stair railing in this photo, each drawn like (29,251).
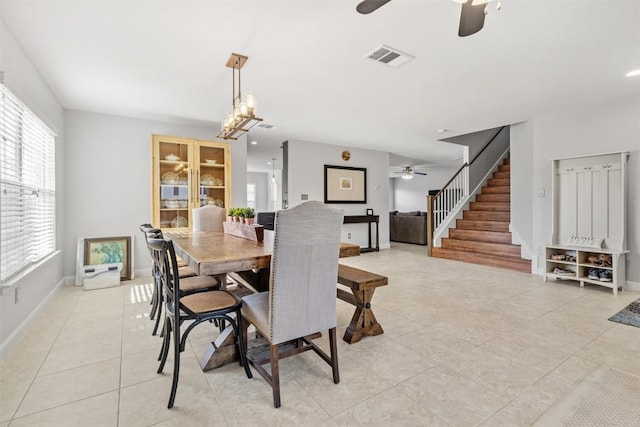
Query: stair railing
(448,202)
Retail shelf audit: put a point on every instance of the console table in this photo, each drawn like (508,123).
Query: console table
(365,219)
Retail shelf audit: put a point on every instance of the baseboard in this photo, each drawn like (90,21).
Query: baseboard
(8,344)
(632,286)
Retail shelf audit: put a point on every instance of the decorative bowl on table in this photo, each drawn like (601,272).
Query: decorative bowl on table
(207,179)
(171,157)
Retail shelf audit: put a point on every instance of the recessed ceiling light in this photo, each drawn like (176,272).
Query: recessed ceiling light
(633,73)
(268,163)
(254,142)
(442,130)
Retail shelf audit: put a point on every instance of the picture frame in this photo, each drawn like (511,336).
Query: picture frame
(343,184)
(107,250)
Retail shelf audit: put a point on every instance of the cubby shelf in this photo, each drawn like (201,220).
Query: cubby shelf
(581,268)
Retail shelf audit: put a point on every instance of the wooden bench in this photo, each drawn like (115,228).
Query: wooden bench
(362,284)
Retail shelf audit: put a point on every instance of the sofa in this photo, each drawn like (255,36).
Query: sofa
(408,227)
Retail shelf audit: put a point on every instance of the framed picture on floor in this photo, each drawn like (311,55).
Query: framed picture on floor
(108,250)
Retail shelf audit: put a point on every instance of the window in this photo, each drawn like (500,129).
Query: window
(251,195)
(27,186)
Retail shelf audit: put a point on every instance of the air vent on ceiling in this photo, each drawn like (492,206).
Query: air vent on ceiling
(390,56)
(265,125)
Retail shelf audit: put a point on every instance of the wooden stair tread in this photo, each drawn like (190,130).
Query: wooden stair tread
(516,264)
(504,168)
(469,224)
(502,175)
(504,249)
(492,182)
(497,189)
(487,215)
(493,197)
(490,206)
(480,235)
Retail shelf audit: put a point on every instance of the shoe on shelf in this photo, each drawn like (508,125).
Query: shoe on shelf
(605,275)
(558,257)
(594,274)
(570,258)
(561,272)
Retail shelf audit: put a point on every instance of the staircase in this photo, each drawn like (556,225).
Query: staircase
(482,236)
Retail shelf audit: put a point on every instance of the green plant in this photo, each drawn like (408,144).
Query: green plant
(230,211)
(248,213)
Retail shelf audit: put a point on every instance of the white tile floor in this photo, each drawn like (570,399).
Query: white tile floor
(464,345)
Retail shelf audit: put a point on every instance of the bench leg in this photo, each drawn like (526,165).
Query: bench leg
(363,323)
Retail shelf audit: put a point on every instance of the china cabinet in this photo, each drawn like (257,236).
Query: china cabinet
(187,173)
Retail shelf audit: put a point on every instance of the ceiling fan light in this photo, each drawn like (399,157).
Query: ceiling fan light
(407,176)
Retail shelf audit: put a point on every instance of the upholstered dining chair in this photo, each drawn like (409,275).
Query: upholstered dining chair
(302,289)
(208,218)
(199,307)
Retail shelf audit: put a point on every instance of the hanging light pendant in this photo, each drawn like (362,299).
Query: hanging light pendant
(243,106)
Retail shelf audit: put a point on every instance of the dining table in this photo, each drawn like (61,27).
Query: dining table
(215,253)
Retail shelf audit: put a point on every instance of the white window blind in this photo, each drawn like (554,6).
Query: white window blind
(27,186)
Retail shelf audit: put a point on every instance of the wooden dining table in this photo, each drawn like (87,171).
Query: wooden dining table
(214,253)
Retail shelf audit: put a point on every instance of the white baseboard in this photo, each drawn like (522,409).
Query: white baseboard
(10,342)
(632,286)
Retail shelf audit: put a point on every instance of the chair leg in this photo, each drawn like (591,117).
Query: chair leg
(241,336)
(176,363)
(158,316)
(166,342)
(275,376)
(334,355)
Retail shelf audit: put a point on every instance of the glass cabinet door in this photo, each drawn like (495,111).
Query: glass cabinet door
(173,193)
(211,174)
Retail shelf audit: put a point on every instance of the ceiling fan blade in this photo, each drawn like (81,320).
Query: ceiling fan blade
(471,18)
(419,173)
(368,6)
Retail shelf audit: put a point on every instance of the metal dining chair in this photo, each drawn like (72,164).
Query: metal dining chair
(190,282)
(302,289)
(200,307)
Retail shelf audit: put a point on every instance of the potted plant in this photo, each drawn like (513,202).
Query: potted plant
(249,215)
(230,214)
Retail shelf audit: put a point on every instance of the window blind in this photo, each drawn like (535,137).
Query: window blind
(27,186)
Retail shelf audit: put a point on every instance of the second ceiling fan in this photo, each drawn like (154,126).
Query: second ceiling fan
(471,16)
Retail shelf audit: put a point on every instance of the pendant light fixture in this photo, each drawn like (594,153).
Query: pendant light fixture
(273,170)
(243,106)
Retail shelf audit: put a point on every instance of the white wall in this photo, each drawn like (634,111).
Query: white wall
(411,194)
(522,192)
(306,176)
(23,79)
(262,181)
(607,127)
(108,177)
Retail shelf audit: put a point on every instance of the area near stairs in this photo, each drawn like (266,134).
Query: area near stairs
(482,235)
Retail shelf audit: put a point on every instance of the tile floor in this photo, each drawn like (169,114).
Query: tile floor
(464,345)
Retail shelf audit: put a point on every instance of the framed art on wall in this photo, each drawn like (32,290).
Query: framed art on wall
(345,184)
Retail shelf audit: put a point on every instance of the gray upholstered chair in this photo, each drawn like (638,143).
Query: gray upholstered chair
(302,288)
(208,218)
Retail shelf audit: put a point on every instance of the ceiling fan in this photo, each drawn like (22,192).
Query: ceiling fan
(408,172)
(471,16)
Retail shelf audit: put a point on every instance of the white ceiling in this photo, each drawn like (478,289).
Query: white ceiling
(166,60)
